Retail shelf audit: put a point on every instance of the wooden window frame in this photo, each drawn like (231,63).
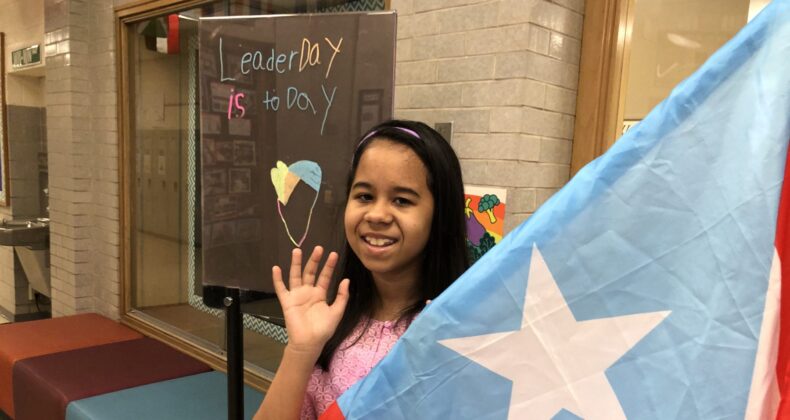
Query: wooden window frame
(125,15)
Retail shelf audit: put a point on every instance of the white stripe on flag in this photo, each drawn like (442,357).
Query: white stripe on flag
(764,393)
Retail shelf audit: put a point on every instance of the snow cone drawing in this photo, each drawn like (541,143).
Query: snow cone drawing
(285,179)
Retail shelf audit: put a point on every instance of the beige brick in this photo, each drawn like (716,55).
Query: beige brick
(560,100)
(558,18)
(496,93)
(417,72)
(534,93)
(402,50)
(402,97)
(465,69)
(423,24)
(504,92)
(506,119)
(466,18)
(575,5)
(465,120)
(517,37)
(548,124)
(520,200)
(538,67)
(544,194)
(565,48)
(516,11)
(438,46)
(555,151)
(403,7)
(551,175)
(514,220)
(503,173)
(497,146)
(433,96)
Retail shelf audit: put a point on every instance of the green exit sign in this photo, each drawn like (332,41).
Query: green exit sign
(26,57)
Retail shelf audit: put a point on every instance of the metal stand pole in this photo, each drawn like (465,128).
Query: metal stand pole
(235,345)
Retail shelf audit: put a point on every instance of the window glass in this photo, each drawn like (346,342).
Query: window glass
(667,46)
(165,284)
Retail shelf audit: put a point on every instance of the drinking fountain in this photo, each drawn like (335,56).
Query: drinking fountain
(30,239)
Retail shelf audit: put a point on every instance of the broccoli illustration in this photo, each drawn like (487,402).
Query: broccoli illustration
(487,204)
(476,252)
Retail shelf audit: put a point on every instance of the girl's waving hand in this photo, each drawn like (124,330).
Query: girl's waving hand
(309,319)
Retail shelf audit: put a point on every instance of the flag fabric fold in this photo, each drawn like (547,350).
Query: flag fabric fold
(648,288)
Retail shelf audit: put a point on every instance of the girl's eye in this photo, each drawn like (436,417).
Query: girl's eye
(364,197)
(400,201)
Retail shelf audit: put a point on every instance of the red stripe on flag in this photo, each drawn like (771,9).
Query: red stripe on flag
(333,413)
(173,42)
(783,248)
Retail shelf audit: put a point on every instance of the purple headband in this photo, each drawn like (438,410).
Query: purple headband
(374,132)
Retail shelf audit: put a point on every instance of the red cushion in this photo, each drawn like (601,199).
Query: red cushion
(24,340)
(45,385)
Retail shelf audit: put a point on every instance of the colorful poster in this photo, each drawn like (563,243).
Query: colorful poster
(485,218)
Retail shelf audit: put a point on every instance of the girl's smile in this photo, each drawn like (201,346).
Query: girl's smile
(390,210)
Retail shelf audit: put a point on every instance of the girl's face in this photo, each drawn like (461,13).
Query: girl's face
(389,211)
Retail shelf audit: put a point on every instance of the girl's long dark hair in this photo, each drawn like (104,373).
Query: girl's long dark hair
(445,256)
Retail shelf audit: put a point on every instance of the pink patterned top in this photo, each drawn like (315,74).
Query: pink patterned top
(350,364)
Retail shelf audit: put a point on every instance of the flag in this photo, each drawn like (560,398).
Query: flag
(648,288)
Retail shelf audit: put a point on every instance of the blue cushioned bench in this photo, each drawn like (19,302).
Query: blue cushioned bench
(196,397)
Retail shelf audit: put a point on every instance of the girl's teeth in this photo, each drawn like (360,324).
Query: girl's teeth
(378,241)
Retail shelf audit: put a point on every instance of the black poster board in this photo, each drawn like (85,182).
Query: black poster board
(284,99)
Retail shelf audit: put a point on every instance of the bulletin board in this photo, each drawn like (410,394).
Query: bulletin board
(283,99)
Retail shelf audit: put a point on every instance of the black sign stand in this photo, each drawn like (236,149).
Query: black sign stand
(235,355)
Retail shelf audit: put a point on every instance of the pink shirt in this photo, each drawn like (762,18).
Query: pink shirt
(349,364)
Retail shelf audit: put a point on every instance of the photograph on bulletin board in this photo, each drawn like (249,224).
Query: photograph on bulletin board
(485,218)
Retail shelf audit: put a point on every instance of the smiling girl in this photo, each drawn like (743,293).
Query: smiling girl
(405,243)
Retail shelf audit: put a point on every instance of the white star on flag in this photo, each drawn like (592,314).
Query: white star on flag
(554,361)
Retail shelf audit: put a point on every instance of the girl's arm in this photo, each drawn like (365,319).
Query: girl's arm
(310,322)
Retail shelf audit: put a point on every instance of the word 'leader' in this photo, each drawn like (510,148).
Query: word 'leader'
(309,55)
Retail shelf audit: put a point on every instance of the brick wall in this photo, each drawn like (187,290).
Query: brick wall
(505,72)
(83,156)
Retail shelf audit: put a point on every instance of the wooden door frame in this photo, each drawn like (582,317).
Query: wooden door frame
(605,39)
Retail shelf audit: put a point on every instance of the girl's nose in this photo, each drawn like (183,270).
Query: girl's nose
(378,213)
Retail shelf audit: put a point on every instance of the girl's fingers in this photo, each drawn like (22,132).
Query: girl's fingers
(326,273)
(312,266)
(295,279)
(339,305)
(279,286)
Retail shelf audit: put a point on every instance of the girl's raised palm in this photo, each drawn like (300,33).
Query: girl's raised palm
(310,321)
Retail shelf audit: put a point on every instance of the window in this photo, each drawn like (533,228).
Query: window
(162,173)
(635,52)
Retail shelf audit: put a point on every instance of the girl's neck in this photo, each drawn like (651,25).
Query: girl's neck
(395,294)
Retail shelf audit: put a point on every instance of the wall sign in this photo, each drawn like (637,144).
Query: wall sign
(24,57)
